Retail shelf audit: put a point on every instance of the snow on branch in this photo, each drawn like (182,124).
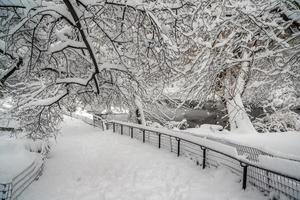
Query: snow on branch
(47,8)
(5,73)
(48,101)
(59,46)
(2,46)
(110,66)
(78,81)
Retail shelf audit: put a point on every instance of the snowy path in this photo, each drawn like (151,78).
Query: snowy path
(88,164)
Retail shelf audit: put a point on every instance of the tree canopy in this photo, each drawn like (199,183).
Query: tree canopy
(56,54)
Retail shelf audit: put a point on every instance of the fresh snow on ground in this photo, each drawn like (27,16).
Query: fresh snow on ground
(89,164)
(284,145)
(14,158)
(83,113)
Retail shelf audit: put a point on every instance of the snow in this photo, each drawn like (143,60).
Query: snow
(294,15)
(283,145)
(47,101)
(83,113)
(285,148)
(2,45)
(59,46)
(202,141)
(90,164)
(112,66)
(64,33)
(79,81)
(18,26)
(290,168)
(14,158)
(47,7)
(6,122)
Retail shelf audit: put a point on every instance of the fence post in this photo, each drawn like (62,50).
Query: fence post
(268,180)
(4,192)
(114,127)
(102,125)
(203,157)
(171,145)
(121,129)
(245,167)
(178,146)
(159,138)
(144,136)
(131,132)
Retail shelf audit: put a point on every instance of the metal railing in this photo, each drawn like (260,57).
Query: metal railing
(266,180)
(13,189)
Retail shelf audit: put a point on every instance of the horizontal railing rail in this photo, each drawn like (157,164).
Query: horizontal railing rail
(207,153)
(5,191)
(13,189)
(25,178)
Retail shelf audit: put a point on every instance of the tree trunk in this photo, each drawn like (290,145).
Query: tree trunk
(108,108)
(234,87)
(140,110)
(86,40)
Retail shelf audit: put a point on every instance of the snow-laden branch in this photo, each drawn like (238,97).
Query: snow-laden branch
(4,75)
(2,45)
(48,101)
(110,66)
(49,8)
(59,46)
(78,81)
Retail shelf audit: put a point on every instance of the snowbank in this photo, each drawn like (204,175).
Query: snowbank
(205,137)
(14,158)
(83,113)
(202,141)
(282,145)
(90,164)
(290,168)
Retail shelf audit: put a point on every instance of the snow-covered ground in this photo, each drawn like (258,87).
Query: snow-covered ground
(283,145)
(89,164)
(17,154)
(14,158)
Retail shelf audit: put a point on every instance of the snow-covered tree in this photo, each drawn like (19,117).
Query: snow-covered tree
(56,54)
(74,49)
(230,41)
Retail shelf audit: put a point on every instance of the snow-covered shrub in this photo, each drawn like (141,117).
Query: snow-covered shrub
(182,125)
(153,124)
(278,121)
(213,127)
(278,112)
(38,146)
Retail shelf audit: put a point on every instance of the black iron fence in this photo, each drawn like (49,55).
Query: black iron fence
(14,187)
(5,191)
(268,181)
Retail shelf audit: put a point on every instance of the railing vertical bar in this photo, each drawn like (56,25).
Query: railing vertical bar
(262,178)
(178,146)
(159,139)
(203,157)
(245,169)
